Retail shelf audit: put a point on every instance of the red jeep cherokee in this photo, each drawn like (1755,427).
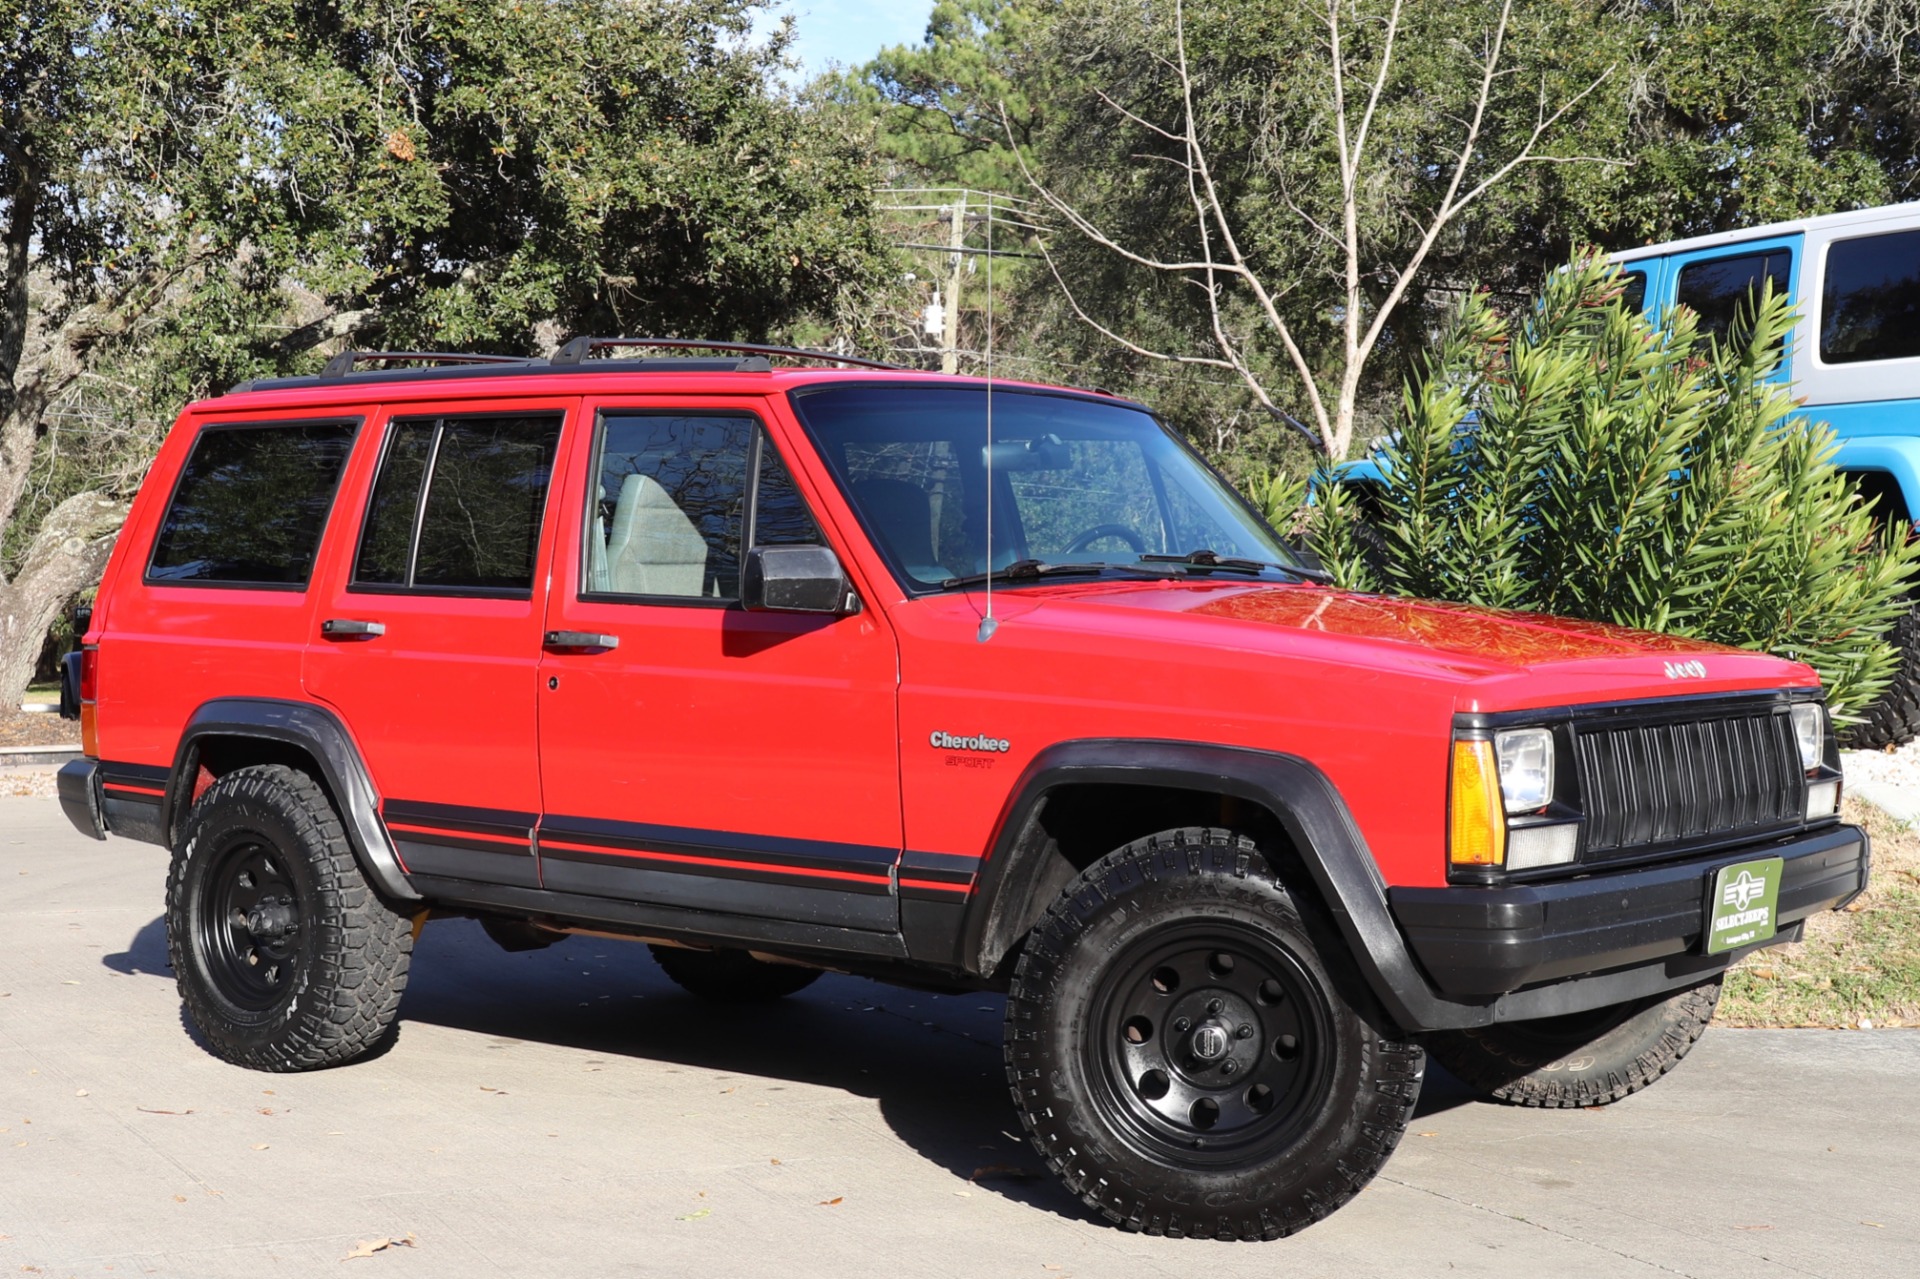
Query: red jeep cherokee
(783,669)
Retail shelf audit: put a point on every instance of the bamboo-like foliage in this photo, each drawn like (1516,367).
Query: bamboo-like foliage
(1577,459)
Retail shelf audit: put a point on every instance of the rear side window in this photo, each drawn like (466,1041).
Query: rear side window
(251,504)
(1870,303)
(1724,290)
(1633,291)
(456,508)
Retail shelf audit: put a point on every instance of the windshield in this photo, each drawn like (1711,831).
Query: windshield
(1073,480)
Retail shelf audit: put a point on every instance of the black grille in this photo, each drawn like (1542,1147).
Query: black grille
(1651,786)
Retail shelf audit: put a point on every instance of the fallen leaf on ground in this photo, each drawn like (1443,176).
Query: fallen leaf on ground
(79,1092)
(1876,1225)
(1429,1134)
(499,1092)
(964,1194)
(69,982)
(261,1146)
(695,1215)
(828,1203)
(179,1199)
(148,1110)
(1010,1172)
(773,1161)
(367,1247)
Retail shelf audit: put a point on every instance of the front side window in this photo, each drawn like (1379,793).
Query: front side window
(457,505)
(1870,303)
(677,498)
(1072,480)
(251,504)
(1723,292)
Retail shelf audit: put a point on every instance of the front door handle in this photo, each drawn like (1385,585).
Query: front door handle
(343,627)
(568,640)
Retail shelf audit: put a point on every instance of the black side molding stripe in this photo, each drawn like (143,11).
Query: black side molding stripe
(802,855)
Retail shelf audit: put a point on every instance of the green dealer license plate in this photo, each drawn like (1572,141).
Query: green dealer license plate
(1743,904)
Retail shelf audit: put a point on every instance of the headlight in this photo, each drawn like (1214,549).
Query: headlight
(1809,733)
(1526,768)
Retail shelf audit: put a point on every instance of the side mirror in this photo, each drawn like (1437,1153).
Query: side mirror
(795,579)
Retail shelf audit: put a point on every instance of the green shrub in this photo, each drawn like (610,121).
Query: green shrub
(1574,459)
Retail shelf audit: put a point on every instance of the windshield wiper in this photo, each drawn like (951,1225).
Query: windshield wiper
(1205,558)
(1024,571)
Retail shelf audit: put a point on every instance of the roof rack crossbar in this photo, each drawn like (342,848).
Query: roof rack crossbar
(581,348)
(342,364)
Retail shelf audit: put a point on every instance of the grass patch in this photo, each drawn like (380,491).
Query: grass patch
(1857,965)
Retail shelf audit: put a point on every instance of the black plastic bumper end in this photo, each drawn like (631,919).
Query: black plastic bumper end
(79,786)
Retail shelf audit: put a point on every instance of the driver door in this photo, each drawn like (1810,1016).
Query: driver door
(692,753)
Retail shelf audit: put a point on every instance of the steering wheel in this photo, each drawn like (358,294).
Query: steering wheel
(1099,531)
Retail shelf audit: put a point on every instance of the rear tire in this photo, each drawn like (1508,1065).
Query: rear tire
(285,957)
(1583,1059)
(731,976)
(1894,717)
(1187,1050)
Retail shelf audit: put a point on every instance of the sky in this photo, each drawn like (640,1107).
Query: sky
(848,31)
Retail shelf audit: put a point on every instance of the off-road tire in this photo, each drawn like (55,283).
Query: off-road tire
(345,954)
(1585,1059)
(731,976)
(1081,1033)
(1894,717)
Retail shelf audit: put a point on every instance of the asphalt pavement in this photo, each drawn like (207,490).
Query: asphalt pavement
(569,1112)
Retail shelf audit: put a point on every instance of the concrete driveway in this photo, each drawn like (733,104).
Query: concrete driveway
(568,1112)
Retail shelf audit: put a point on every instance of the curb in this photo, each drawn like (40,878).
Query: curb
(25,756)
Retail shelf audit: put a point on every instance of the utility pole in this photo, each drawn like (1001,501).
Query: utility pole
(950,343)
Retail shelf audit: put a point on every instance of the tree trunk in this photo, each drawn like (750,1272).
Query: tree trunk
(66,556)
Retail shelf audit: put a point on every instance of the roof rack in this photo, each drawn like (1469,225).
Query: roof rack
(581,348)
(342,364)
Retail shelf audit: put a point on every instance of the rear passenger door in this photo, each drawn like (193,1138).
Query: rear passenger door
(692,753)
(427,637)
(1723,284)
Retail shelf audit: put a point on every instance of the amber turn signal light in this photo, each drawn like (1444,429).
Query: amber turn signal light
(1477,829)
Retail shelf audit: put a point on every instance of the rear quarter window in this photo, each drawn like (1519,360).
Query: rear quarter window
(251,504)
(1870,299)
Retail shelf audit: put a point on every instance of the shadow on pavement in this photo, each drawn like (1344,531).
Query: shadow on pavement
(931,1062)
(145,955)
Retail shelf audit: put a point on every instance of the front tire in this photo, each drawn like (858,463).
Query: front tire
(1582,1059)
(1894,717)
(285,957)
(1185,1049)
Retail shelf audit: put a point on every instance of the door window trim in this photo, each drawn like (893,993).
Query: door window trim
(439,419)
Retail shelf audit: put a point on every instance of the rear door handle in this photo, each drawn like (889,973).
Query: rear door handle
(346,626)
(580,639)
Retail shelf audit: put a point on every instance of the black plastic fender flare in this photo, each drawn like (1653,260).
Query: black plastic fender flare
(1308,808)
(320,734)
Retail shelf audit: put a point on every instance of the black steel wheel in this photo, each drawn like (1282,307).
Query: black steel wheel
(1215,1043)
(1191,1051)
(285,957)
(247,935)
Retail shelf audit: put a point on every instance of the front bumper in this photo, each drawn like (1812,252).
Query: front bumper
(1476,943)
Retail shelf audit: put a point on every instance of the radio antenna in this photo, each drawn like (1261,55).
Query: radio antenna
(988,624)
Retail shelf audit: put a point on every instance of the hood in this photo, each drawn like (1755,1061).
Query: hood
(1469,643)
